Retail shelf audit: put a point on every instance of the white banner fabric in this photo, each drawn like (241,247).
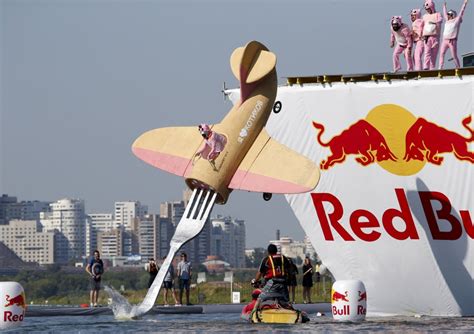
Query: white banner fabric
(394,205)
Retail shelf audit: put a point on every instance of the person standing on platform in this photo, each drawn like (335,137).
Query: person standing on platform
(184,276)
(417,37)
(307,280)
(292,282)
(431,30)
(95,268)
(450,34)
(400,33)
(152,270)
(168,285)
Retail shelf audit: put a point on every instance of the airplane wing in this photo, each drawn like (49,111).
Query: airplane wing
(274,168)
(169,149)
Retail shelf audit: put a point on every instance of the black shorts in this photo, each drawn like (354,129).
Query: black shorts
(168,285)
(183,284)
(94,284)
(292,281)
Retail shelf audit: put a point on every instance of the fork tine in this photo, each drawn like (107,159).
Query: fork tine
(195,205)
(185,214)
(203,206)
(211,204)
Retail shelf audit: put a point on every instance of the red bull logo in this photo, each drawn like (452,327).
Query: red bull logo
(18,301)
(337,296)
(396,140)
(360,138)
(362,296)
(426,140)
(9,316)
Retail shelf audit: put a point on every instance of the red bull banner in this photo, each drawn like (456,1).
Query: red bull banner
(394,207)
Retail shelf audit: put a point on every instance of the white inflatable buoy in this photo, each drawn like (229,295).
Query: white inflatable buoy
(12,304)
(348,300)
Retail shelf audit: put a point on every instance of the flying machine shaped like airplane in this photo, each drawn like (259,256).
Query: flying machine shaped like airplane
(248,159)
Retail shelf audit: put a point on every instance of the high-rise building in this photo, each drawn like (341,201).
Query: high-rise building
(172,210)
(126,215)
(26,239)
(67,216)
(228,240)
(110,243)
(126,212)
(155,233)
(5,202)
(11,209)
(98,222)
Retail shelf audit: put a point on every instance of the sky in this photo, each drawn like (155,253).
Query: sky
(81,79)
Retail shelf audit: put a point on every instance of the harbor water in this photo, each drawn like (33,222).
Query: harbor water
(231,323)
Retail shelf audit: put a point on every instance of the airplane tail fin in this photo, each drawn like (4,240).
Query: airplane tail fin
(252,62)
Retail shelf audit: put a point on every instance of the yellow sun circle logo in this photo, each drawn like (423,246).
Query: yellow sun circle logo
(393,122)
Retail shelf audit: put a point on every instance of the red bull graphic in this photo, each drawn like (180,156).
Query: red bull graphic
(362,296)
(18,301)
(426,140)
(391,132)
(337,296)
(11,314)
(360,138)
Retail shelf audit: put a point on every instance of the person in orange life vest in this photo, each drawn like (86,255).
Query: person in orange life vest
(249,307)
(275,269)
(213,144)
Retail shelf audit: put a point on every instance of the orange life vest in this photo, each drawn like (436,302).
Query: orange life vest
(275,271)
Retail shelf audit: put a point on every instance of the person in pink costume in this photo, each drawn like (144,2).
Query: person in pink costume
(431,31)
(417,36)
(450,34)
(213,144)
(401,33)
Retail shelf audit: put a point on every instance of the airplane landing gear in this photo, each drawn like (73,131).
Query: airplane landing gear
(267,196)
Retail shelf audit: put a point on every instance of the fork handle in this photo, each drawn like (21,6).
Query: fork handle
(150,298)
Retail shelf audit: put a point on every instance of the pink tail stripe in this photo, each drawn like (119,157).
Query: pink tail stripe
(260,183)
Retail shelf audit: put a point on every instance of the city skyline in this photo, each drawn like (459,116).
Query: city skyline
(110,212)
